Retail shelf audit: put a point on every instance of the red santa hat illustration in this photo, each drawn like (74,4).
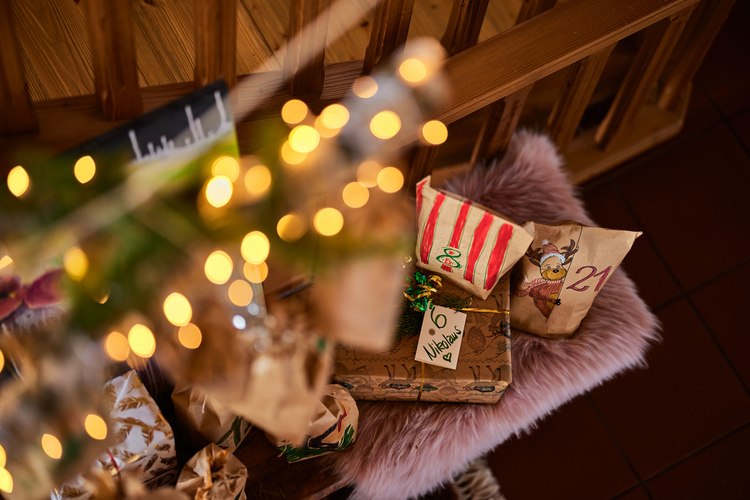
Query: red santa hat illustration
(550,250)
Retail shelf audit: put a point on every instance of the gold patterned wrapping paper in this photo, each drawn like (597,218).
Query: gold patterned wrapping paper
(145,440)
(482,374)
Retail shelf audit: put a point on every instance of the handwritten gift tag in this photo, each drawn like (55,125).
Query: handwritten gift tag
(440,338)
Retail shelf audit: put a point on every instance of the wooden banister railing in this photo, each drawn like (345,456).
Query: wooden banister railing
(496,75)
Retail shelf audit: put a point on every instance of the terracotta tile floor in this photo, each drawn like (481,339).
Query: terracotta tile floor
(680,428)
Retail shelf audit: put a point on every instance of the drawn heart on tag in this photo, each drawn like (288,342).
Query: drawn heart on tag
(447,357)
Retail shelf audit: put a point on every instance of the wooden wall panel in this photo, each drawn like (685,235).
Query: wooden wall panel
(16,115)
(215,42)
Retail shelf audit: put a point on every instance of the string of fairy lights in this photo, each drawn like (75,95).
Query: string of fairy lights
(247,180)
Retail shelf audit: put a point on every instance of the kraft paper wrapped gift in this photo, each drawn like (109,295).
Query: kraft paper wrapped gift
(561,274)
(145,440)
(481,376)
(465,242)
(213,474)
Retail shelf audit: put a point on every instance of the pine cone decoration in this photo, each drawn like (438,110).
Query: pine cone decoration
(476,339)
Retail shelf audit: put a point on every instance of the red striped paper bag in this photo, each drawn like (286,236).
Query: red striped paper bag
(467,243)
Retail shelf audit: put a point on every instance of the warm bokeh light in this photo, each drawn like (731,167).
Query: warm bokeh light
(103,295)
(364,87)
(385,124)
(5,261)
(355,195)
(291,156)
(190,336)
(226,166)
(177,309)
(294,111)
(84,169)
(76,263)
(434,132)
(52,446)
(304,139)
(142,341)
(18,180)
(324,131)
(255,247)
(412,70)
(3,457)
(390,179)
(6,480)
(95,426)
(116,346)
(367,173)
(240,293)
(2,365)
(255,273)
(219,191)
(258,180)
(291,227)
(218,267)
(334,116)
(328,221)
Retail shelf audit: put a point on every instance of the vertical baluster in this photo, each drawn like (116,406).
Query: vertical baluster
(464,25)
(389,30)
(692,48)
(575,96)
(215,41)
(113,52)
(15,108)
(499,126)
(642,76)
(421,161)
(305,71)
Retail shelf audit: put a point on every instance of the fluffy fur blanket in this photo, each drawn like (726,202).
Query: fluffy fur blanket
(407,449)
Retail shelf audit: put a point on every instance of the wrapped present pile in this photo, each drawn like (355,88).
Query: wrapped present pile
(132,272)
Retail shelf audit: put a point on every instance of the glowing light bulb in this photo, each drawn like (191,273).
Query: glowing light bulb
(304,139)
(3,457)
(76,263)
(255,273)
(177,309)
(385,124)
(6,480)
(365,87)
(324,131)
(5,261)
(142,341)
(190,336)
(328,221)
(219,191)
(291,156)
(334,116)
(291,227)
(95,426)
(258,180)
(294,111)
(390,179)
(218,267)
(412,70)
(355,195)
(367,173)
(18,181)
(52,446)
(240,293)
(84,169)
(434,132)
(255,247)
(227,166)
(116,346)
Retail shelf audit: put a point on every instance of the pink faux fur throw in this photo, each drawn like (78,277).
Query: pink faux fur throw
(408,449)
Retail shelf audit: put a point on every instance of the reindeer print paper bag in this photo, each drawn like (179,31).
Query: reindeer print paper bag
(465,242)
(563,270)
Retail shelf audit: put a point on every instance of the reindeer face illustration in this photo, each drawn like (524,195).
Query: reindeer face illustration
(552,269)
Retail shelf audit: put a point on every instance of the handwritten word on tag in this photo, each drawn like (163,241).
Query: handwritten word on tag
(440,338)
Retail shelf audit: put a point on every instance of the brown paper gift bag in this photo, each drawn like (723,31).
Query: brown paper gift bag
(205,421)
(333,428)
(557,280)
(465,242)
(213,474)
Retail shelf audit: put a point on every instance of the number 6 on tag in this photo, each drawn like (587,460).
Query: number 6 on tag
(440,337)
